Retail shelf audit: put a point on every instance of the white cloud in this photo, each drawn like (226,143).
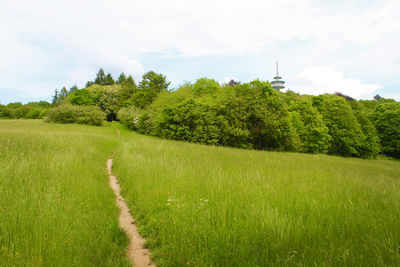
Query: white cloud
(318,80)
(65,42)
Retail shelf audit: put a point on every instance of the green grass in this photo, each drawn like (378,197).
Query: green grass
(56,208)
(196,205)
(210,206)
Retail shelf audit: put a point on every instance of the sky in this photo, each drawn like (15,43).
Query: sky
(347,46)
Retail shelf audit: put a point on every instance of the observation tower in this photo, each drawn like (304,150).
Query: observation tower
(278,83)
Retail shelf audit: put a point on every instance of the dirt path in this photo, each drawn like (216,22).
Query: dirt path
(138,255)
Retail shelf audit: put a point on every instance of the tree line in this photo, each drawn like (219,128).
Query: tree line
(245,115)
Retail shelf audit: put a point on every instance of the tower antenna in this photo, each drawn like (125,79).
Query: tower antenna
(277,72)
(278,83)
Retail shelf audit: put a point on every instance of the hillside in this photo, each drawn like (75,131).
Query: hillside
(196,205)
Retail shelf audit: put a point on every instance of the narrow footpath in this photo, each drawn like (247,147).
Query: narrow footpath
(137,254)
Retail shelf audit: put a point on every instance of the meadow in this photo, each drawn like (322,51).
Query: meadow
(56,208)
(196,205)
(211,206)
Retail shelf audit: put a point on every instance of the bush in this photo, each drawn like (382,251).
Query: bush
(89,115)
(387,121)
(128,117)
(5,112)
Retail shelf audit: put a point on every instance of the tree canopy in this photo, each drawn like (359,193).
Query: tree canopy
(249,115)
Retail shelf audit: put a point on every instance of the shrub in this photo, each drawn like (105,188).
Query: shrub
(129,117)
(89,115)
(5,112)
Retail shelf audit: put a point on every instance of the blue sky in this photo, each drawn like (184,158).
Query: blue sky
(322,46)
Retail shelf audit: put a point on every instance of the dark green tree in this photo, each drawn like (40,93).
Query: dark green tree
(5,112)
(109,103)
(100,77)
(387,122)
(127,89)
(108,80)
(346,133)
(56,97)
(88,84)
(63,93)
(370,146)
(310,127)
(121,78)
(73,89)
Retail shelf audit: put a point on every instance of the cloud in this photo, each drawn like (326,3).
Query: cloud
(316,80)
(56,43)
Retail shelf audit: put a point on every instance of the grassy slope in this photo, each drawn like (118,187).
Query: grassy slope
(56,208)
(202,205)
(197,205)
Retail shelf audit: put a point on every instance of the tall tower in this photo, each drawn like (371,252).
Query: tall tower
(278,83)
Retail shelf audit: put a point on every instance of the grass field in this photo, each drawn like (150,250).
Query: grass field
(209,206)
(56,208)
(196,205)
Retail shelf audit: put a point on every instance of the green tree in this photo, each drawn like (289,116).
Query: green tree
(81,97)
(109,102)
(127,89)
(100,77)
(190,121)
(108,80)
(346,133)
(310,127)
(370,146)
(151,85)
(73,89)
(387,122)
(63,93)
(121,78)
(205,86)
(56,97)
(88,84)
(5,112)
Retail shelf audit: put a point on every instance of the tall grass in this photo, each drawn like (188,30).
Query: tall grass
(56,208)
(196,205)
(207,206)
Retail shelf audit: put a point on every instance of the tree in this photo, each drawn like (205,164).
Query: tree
(128,88)
(73,89)
(370,146)
(151,85)
(387,122)
(63,93)
(346,133)
(82,98)
(154,82)
(109,102)
(190,121)
(310,127)
(205,86)
(108,80)
(100,77)
(5,112)
(121,78)
(56,97)
(88,84)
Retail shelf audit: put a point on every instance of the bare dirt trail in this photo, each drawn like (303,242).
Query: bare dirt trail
(137,254)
